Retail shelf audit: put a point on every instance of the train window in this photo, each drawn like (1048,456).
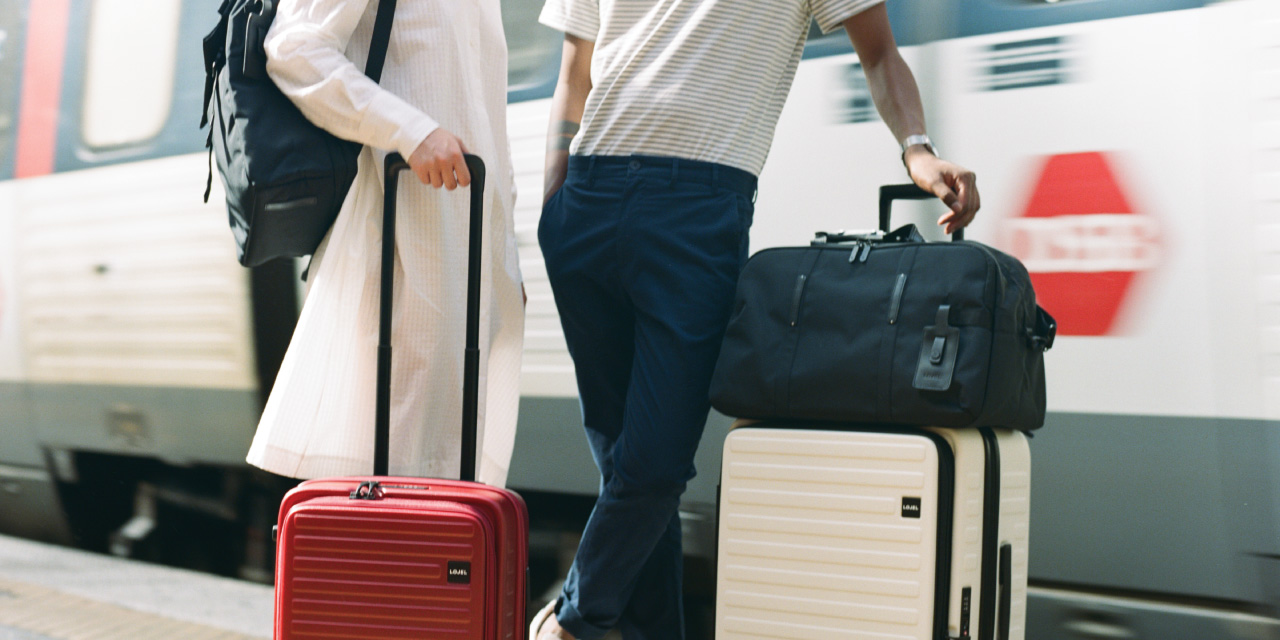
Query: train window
(129,71)
(532,49)
(982,17)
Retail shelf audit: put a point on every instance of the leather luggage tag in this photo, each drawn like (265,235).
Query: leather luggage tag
(937,364)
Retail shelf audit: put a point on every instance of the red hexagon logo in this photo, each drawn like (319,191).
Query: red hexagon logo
(1083,243)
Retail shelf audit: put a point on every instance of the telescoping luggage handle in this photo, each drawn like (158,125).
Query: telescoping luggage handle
(395,163)
(891,192)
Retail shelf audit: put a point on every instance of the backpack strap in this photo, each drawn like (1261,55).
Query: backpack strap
(214,58)
(381,38)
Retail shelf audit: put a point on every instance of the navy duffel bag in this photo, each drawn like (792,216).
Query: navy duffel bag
(886,328)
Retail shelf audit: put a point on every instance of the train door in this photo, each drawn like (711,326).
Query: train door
(1112,142)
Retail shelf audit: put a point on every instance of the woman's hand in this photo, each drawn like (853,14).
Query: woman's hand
(438,161)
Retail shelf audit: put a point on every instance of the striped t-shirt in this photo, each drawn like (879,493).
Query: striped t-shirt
(695,79)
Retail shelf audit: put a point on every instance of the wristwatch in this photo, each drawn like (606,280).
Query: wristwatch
(918,139)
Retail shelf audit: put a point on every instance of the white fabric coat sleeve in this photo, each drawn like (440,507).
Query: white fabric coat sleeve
(306,58)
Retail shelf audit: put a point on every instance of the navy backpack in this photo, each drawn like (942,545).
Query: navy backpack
(285,178)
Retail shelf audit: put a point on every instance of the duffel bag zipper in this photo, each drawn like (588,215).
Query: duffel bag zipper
(860,252)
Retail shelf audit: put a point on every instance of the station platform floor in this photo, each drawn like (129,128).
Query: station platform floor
(49,592)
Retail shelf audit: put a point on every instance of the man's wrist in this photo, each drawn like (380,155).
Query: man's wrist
(918,149)
(918,139)
(916,145)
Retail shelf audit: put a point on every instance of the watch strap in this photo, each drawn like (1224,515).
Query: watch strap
(919,138)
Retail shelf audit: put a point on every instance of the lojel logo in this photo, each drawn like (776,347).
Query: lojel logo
(459,572)
(911,507)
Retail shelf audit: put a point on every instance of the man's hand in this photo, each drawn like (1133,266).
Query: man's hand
(438,161)
(956,186)
(567,106)
(893,87)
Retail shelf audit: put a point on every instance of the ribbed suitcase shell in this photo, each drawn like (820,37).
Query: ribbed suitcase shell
(418,594)
(846,533)
(382,571)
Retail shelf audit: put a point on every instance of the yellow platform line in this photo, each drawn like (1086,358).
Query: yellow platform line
(63,616)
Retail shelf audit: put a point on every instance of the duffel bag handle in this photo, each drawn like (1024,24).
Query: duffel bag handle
(891,192)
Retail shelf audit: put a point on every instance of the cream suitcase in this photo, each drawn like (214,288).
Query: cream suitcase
(853,533)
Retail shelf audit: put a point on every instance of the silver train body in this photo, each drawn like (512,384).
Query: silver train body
(135,352)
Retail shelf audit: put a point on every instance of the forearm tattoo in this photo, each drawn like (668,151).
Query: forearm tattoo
(562,135)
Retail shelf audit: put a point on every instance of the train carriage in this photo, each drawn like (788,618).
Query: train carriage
(1127,150)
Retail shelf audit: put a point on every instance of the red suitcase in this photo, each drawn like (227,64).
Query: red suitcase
(381,557)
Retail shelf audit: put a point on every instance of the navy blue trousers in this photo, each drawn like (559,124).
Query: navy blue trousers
(643,255)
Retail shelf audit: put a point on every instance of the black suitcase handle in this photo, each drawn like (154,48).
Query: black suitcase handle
(395,163)
(891,192)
